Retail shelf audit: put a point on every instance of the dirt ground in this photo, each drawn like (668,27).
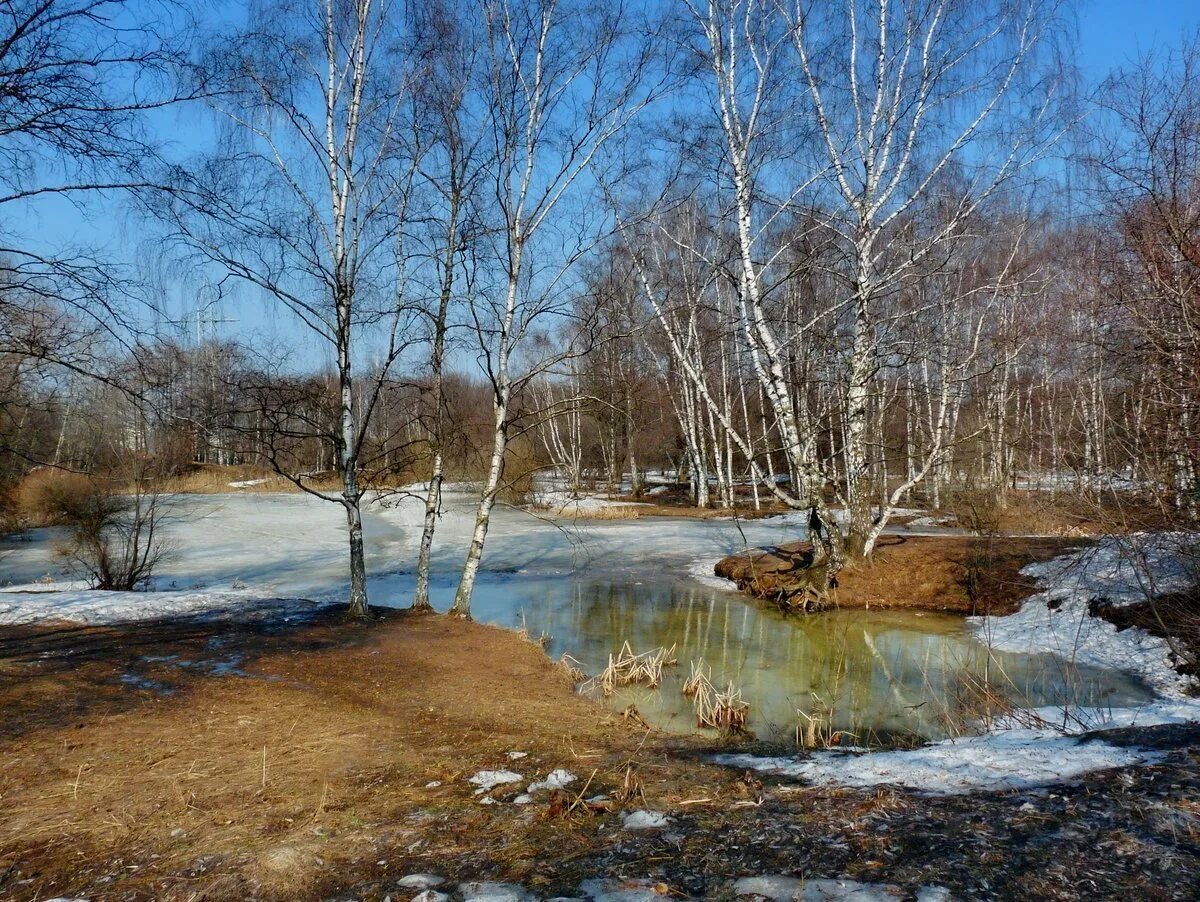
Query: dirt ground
(193,760)
(309,758)
(958,574)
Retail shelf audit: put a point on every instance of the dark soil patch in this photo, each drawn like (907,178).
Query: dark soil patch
(1175,617)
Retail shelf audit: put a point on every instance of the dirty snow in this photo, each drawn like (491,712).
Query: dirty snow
(494,892)
(645,820)
(487,780)
(556,779)
(420,881)
(786,889)
(561,502)
(92,606)
(1005,759)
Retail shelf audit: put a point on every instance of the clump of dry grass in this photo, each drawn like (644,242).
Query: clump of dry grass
(573,668)
(628,667)
(715,709)
(630,511)
(43,496)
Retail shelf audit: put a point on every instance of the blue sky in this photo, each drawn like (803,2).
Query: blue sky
(1111,33)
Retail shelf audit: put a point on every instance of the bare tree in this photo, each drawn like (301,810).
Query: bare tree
(564,79)
(305,199)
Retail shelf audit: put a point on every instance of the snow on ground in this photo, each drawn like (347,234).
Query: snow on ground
(1009,759)
(92,607)
(50,585)
(561,502)
(1120,570)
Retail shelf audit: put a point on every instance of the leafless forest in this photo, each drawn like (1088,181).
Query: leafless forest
(823,255)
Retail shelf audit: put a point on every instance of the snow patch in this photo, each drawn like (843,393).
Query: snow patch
(701,570)
(645,820)
(490,779)
(1118,570)
(493,892)
(1004,759)
(556,779)
(565,503)
(786,889)
(95,606)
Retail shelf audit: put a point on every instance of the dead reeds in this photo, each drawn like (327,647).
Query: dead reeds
(627,668)
(715,709)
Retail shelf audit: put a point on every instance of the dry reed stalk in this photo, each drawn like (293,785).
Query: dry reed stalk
(627,668)
(719,710)
(573,668)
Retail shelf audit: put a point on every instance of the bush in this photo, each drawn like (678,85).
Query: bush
(112,541)
(978,509)
(50,497)
(115,541)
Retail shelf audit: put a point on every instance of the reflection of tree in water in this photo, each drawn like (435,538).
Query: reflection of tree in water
(867,673)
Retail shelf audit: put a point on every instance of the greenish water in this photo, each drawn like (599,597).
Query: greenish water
(872,674)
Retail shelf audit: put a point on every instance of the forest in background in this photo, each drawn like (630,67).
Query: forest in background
(844,255)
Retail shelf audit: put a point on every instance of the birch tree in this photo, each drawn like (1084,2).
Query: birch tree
(913,100)
(564,79)
(304,198)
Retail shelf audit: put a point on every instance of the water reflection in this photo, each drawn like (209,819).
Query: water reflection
(867,673)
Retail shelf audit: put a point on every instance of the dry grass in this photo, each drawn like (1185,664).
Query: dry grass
(43,494)
(298,779)
(715,709)
(210,479)
(627,668)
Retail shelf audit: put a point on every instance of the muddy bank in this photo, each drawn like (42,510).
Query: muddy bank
(957,574)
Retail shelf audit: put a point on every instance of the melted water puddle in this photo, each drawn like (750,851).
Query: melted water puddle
(865,674)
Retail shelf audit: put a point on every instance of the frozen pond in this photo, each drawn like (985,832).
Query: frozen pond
(591,585)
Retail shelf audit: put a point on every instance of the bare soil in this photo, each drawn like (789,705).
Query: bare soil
(227,760)
(958,574)
(311,758)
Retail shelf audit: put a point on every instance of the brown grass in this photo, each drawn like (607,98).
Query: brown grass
(298,778)
(960,574)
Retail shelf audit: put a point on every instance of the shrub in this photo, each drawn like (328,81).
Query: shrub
(112,541)
(50,497)
(115,541)
(978,508)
